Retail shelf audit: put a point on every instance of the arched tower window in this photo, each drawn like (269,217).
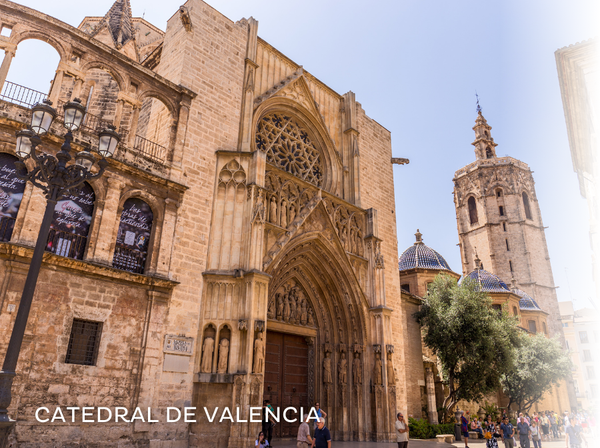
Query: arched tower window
(133,236)
(289,147)
(11,193)
(526,206)
(489,153)
(71,223)
(472,210)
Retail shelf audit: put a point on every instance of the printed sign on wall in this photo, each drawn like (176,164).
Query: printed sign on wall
(133,236)
(11,194)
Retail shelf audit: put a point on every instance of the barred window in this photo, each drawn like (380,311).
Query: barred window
(472,210)
(84,342)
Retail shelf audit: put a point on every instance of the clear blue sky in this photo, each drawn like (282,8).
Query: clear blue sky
(415,66)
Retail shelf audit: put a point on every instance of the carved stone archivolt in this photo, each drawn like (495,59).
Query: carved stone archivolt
(289,147)
(289,304)
(349,226)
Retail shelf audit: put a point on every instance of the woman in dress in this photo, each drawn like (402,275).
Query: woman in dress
(490,430)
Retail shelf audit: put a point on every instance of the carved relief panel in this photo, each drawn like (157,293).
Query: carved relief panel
(289,304)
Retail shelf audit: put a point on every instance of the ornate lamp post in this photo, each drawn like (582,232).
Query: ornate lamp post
(56,178)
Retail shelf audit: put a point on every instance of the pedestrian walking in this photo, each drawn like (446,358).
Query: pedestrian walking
(523,429)
(464,426)
(535,435)
(401,431)
(322,438)
(488,435)
(267,421)
(508,433)
(304,440)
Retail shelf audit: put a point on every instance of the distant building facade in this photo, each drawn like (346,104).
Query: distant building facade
(582,335)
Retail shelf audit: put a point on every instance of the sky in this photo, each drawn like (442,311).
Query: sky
(415,67)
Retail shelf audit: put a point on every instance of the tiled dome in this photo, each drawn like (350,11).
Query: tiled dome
(526,302)
(486,281)
(421,256)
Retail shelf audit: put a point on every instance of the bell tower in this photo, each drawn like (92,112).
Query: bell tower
(499,220)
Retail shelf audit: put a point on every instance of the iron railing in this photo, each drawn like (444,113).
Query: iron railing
(21,95)
(131,260)
(66,244)
(150,149)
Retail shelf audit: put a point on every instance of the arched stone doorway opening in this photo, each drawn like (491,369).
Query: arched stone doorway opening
(317,333)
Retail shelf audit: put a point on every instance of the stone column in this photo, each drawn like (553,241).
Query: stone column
(166,238)
(119,114)
(245,136)
(56,84)
(431,403)
(109,222)
(8,56)
(134,124)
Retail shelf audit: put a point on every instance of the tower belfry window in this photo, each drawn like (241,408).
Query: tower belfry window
(488,153)
(526,206)
(501,210)
(472,210)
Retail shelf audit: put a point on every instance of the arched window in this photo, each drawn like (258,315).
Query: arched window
(11,193)
(499,192)
(532,326)
(489,153)
(133,236)
(71,223)
(472,210)
(289,147)
(526,206)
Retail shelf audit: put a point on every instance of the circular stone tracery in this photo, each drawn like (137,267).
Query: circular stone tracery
(289,147)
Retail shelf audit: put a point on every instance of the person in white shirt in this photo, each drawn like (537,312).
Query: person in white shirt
(401,431)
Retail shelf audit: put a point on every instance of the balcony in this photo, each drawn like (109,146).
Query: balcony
(142,148)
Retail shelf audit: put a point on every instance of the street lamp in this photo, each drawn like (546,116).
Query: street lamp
(56,179)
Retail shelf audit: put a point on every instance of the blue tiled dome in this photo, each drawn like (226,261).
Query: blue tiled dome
(421,256)
(487,281)
(526,302)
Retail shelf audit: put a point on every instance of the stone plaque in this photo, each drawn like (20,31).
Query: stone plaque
(178,345)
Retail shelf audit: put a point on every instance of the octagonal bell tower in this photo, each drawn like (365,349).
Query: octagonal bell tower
(499,218)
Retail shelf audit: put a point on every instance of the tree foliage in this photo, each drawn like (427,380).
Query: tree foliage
(473,342)
(540,362)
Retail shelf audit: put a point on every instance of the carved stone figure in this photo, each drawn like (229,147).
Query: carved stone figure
(391,377)
(284,214)
(287,310)
(357,369)
(340,328)
(343,369)
(259,210)
(280,305)
(223,355)
(207,355)
(259,354)
(271,307)
(378,373)
(327,340)
(327,376)
(311,319)
(273,212)
(303,310)
(292,213)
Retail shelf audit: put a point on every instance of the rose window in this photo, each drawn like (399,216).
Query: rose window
(289,148)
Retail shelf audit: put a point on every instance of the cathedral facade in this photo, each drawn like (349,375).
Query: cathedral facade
(241,245)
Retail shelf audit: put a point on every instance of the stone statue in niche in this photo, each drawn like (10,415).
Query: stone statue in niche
(327,376)
(283,214)
(343,369)
(391,376)
(378,374)
(327,340)
(357,368)
(207,355)
(223,355)
(271,307)
(273,211)
(311,319)
(340,328)
(280,306)
(292,213)
(303,310)
(287,310)
(259,354)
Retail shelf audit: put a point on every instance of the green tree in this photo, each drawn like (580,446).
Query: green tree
(473,342)
(540,362)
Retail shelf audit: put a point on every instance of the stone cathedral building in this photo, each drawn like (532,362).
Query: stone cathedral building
(241,245)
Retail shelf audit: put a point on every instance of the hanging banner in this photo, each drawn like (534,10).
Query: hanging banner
(71,223)
(133,236)
(11,194)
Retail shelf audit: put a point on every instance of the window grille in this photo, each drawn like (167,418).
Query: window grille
(84,342)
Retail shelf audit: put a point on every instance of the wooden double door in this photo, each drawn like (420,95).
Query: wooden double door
(286,378)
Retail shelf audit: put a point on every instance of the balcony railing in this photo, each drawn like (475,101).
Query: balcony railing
(150,149)
(128,259)
(21,95)
(66,244)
